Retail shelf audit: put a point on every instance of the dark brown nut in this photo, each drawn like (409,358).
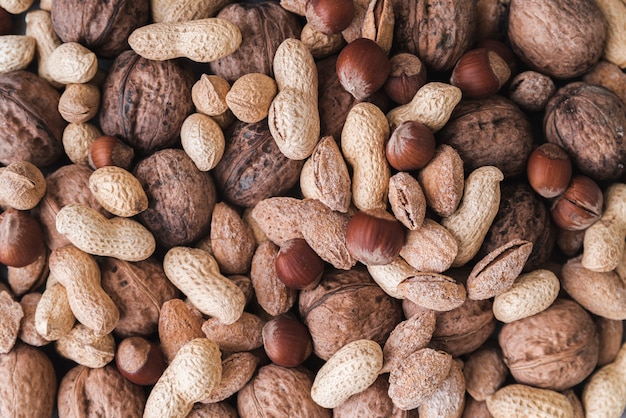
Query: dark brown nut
(29,106)
(178,324)
(464,329)
(259,39)
(139,360)
(242,335)
(102,27)
(531,90)
(259,396)
(157,99)
(298,266)
(252,167)
(570,242)
(287,341)
(329,16)
(480,73)
(272,294)
(485,372)
(21,238)
(491,16)
(587,122)
(374,237)
(609,76)
(69,184)
(522,215)
(109,150)
(84,389)
(30,277)
(439,33)
(6,22)
(554,349)
(139,290)
(501,49)
(347,306)
(410,147)
(28,333)
(28,383)
(181,197)
(549,170)
(567,36)
(213,410)
(579,206)
(232,241)
(491,131)
(362,68)
(406,77)
(372,402)
(610,335)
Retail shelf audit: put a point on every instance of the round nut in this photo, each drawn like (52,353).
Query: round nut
(374,237)
(298,266)
(580,205)
(480,73)
(410,147)
(21,238)
(549,170)
(329,16)
(139,360)
(109,150)
(286,341)
(406,76)
(362,68)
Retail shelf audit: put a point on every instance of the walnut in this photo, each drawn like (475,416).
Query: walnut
(438,32)
(145,102)
(181,198)
(264,25)
(347,306)
(102,26)
(32,126)
(491,131)
(252,167)
(588,122)
(554,349)
(372,402)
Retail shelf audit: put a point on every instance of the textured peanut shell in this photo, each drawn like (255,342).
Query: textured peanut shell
(610,333)
(39,26)
(28,333)
(184,10)
(79,102)
(389,276)
(237,370)
(118,191)
(86,348)
(77,139)
(203,140)
(250,96)
(518,399)
(604,393)
(53,316)
(17,51)
(72,63)
(213,410)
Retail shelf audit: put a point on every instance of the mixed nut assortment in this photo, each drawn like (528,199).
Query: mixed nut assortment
(313,208)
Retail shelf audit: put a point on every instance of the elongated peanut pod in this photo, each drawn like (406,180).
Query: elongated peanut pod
(526,401)
(54,317)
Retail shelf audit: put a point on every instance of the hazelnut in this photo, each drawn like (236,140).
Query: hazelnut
(298,266)
(502,49)
(139,360)
(109,150)
(329,16)
(410,147)
(406,77)
(480,73)
(287,341)
(362,68)
(21,238)
(374,237)
(580,205)
(549,170)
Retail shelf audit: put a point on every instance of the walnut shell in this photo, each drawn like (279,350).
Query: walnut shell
(264,25)
(181,197)
(588,122)
(145,102)
(102,26)
(522,215)
(32,126)
(554,349)
(138,290)
(561,38)
(491,131)
(347,306)
(27,383)
(87,392)
(252,167)
(438,32)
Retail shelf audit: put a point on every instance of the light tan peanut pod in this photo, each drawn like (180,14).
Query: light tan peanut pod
(603,245)
(250,96)
(325,176)
(11,314)
(442,180)
(433,291)
(16,6)
(85,347)
(77,139)
(203,141)
(209,95)
(39,26)
(294,67)
(118,191)
(185,10)
(352,369)
(196,273)
(320,44)
(432,105)
(117,237)
(363,139)
(531,293)
(604,393)
(431,248)
(448,399)
(577,404)
(389,276)
(16,52)
(407,200)
(54,317)
(71,62)
(471,221)
(615,13)
(28,333)
(79,273)
(278,218)
(202,40)
(22,185)
(497,271)
(79,102)
(295,6)
(194,373)
(518,400)
(237,370)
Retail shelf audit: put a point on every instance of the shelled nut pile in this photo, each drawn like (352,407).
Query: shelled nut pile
(313,208)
